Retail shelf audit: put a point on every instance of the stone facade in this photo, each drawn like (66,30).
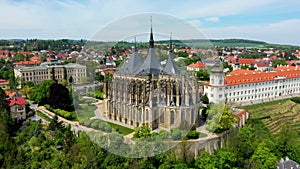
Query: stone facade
(38,74)
(145,93)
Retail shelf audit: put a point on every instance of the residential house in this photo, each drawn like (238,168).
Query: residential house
(196,66)
(17,105)
(4,84)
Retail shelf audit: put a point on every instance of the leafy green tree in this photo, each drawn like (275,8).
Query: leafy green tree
(205,161)
(205,99)
(263,158)
(59,97)
(224,159)
(182,54)
(142,132)
(19,57)
(220,118)
(278,62)
(203,75)
(26,90)
(41,92)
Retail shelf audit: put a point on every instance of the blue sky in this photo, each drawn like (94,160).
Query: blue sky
(274,21)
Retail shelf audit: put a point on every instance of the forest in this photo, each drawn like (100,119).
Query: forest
(36,145)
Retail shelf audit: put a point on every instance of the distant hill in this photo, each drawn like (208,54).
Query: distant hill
(206,43)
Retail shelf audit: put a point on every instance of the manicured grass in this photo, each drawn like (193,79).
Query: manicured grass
(42,115)
(86,111)
(121,129)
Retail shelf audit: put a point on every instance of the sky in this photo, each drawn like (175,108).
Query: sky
(273,21)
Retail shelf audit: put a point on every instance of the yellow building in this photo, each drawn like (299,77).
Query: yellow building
(47,70)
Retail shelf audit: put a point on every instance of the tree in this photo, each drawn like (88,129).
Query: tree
(203,75)
(26,90)
(19,57)
(205,99)
(53,74)
(3,101)
(142,132)
(204,161)
(59,97)
(263,158)
(278,62)
(71,79)
(220,118)
(224,159)
(41,92)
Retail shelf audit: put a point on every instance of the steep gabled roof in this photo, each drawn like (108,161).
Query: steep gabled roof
(131,66)
(171,67)
(151,65)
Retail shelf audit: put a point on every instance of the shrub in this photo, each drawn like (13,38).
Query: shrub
(296,99)
(176,134)
(193,134)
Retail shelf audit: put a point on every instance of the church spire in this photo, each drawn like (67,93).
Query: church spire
(151,42)
(135,48)
(170,48)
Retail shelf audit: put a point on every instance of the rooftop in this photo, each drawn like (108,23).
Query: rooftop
(17,101)
(239,76)
(197,65)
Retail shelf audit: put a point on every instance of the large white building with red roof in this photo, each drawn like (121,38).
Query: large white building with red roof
(248,85)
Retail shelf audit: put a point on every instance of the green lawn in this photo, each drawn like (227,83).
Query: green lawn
(86,111)
(42,115)
(121,129)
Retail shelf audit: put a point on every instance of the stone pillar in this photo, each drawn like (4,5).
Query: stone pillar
(168,88)
(177,95)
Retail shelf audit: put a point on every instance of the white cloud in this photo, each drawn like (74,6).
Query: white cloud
(196,22)
(284,32)
(80,19)
(213,19)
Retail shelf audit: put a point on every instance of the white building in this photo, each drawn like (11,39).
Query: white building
(38,74)
(247,85)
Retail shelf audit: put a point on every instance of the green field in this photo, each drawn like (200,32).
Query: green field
(277,114)
(121,129)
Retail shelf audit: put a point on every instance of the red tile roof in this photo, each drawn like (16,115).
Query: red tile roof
(261,64)
(3,57)
(257,76)
(17,101)
(4,52)
(273,57)
(27,63)
(241,112)
(244,61)
(35,58)
(10,94)
(3,81)
(241,72)
(197,65)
